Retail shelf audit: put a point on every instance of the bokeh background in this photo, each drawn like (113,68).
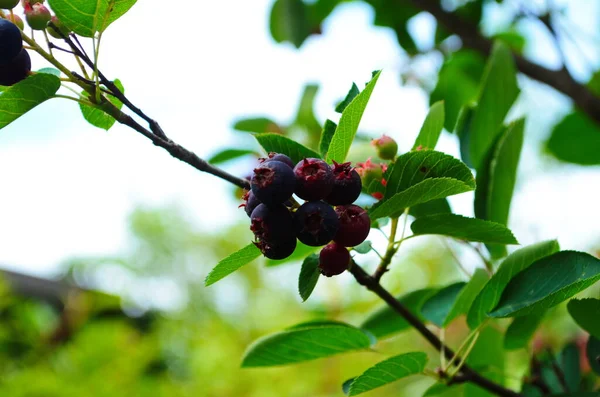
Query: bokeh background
(105,240)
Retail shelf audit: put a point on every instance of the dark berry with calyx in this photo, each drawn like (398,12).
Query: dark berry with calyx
(316,223)
(251,202)
(334,259)
(274,231)
(37,16)
(355,225)
(273,182)
(346,185)
(11,42)
(278,157)
(314,179)
(18,69)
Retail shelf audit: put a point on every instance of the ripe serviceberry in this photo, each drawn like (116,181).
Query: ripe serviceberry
(8,4)
(355,225)
(18,69)
(314,179)
(387,148)
(316,223)
(11,42)
(251,202)
(274,231)
(273,182)
(37,16)
(278,157)
(333,259)
(346,185)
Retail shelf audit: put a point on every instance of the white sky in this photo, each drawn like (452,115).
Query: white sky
(67,187)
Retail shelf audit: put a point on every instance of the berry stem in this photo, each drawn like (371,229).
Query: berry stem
(467,374)
(392,247)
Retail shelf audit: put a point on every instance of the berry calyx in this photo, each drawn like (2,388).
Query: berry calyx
(278,157)
(8,4)
(37,16)
(11,42)
(274,232)
(18,69)
(386,147)
(314,179)
(334,259)
(251,202)
(355,225)
(273,182)
(346,185)
(316,223)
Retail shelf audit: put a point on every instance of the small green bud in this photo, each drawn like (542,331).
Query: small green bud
(387,148)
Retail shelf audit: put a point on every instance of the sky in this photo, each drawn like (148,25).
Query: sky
(67,187)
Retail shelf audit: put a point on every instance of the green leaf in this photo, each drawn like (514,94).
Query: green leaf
(498,91)
(521,330)
(586,313)
(96,116)
(326,136)
(422,192)
(438,388)
(513,264)
(52,71)
(593,353)
(232,263)
(308,342)
(487,357)
(570,364)
(548,282)
(346,385)
(385,321)
(289,22)
(388,371)
(257,125)
(413,167)
(348,126)
(576,139)
(437,307)
(364,247)
(496,179)
(306,116)
(458,83)
(280,144)
(229,154)
(439,206)
(309,275)
(513,39)
(85,17)
(463,131)
(463,228)
(20,98)
(467,295)
(353,93)
(432,128)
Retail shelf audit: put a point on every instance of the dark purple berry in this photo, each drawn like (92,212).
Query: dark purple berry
(316,223)
(314,179)
(251,202)
(11,42)
(346,185)
(279,157)
(333,259)
(355,225)
(274,231)
(18,69)
(273,182)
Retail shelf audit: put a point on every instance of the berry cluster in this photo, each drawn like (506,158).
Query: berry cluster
(277,220)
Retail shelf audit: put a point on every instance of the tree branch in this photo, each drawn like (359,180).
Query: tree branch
(561,80)
(467,374)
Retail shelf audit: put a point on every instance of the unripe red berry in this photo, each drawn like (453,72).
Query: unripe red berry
(316,223)
(314,179)
(37,16)
(334,259)
(59,25)
(17,20)
(16,70)
(355,225)
(273,182)
(387,148)
(8,4)
(346,185)
(370,172)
